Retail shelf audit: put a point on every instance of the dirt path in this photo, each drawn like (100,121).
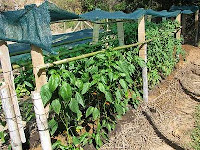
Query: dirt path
(167,122)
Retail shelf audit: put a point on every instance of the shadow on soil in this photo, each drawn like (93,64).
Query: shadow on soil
(159,134)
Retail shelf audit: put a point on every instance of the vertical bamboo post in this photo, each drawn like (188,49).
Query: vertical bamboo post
(196,26)
(41,120)
(149,17)
(9,81)
(10,118)
(164,18)
(120,31)
(96,33)
(37,60)
(183,24)
(40,77)
(143,55)
(178,19)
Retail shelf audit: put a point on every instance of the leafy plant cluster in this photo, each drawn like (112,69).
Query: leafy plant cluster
(89,95)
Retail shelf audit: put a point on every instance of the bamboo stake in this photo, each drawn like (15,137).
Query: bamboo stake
(95,33)
(164,18)
(149,18)
(196,26)
(37,59)
(143,55)
(40,77)
(41,67)
(178,34)
(9,80)
(41,120)
(10,118)
(120,31)
(183,24)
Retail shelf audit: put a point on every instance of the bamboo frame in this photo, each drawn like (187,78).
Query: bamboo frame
(10,116)
(143,55)
(120,31)
(9,81)
(41,67)
(42,122)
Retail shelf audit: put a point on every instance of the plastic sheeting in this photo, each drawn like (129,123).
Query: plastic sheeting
(185,9)
(163,13)
(32,24)
(99,14)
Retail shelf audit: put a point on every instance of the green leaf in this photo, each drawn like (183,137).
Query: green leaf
(79,99)
(95,113)
(75,140)
(101,88)
(45,94)
(65,91)
(110,74)
(53,125)
(119,109)
(86,87)
(123,84)
(56,106)
(89,111)
(108,96)
(79,84)
(54,81)
(28,84)
(98,140)
(73,105)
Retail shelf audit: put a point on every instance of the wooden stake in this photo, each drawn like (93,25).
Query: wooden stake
(164,18)
(178,34)
(9,81)
(38,59)
(95,33)
(143,55)
(41,120)
(120,31)
(196,26)
(40,76)
(10,118)
(149,18)
(183,25)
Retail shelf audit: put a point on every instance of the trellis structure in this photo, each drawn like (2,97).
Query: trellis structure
(39,66)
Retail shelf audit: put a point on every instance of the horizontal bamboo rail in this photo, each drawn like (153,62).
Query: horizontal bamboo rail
(89,55)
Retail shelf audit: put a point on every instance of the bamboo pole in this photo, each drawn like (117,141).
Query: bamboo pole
(41,120)
(178,19)
(120,31)
(143,55)
(95,38)
(9,80)
(183,25)
(164,18)
(41,67)
(196,26)
(37,59)
(149,18)
(10,116)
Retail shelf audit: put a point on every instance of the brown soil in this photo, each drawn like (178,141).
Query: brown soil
(167,121)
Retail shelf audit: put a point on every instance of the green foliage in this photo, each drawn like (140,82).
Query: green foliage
(97,90)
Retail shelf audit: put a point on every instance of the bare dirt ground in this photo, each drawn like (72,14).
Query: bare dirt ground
(167,121)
